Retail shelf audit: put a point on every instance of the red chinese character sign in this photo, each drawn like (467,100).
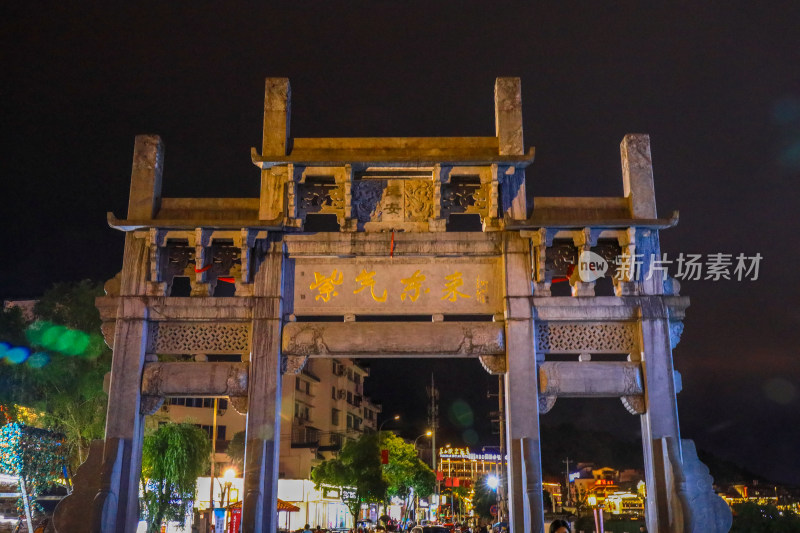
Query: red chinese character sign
(398,286)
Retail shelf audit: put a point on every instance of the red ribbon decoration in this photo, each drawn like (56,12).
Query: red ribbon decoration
(391,247)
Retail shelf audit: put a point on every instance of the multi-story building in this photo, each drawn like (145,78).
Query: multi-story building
(467,467)
(322,407)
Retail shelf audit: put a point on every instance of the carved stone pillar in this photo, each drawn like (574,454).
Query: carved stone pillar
(116,507)
(583,240)
(660,420)
(624,281)
(526,513)
(540,240)
(259,512)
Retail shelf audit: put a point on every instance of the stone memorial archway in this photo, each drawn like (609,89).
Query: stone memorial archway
(487,294)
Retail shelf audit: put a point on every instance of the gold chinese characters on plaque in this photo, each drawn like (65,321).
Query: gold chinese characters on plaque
(397,286)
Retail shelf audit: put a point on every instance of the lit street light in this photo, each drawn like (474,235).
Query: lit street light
(395,417)
(493,482)
(426,434)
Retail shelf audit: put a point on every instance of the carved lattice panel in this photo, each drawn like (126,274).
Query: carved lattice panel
(615,337)
(468,197)
(191,338)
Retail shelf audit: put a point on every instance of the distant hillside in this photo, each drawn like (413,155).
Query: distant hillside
(606,449)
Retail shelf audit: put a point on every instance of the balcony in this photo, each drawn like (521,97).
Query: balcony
(331,442)
(305,437)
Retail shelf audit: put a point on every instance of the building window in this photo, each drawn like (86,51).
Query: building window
(209,430)
(301,411)
(334,417)
(333,392)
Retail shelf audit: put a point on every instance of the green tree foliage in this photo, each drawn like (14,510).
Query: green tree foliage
(68,391)
(754,518)
(236,450)
(173,457)
(484,498)
(35,455)
(358,466)
(405,469)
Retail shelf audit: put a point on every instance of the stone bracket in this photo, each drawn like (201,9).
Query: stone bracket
(494,364)
(293,364)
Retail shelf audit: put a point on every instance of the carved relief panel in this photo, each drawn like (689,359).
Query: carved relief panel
(393,204)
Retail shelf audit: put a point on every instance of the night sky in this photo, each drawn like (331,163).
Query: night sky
(716,87)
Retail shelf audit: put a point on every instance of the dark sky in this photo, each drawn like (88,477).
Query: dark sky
(717,88)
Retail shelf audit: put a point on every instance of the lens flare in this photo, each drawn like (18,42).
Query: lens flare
(38,360)
(17,355)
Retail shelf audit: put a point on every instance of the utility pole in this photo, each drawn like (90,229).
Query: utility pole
(502,473)
(213,464)
(566,479)
(501,493)
(433,420)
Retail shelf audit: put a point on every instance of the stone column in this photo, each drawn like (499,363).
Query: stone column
(637,175)
(259,512)
(276,143)
(508,115)
(526,513)
(660,420)
(148,168)
(116,507)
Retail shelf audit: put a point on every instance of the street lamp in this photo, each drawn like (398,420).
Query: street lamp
(395,417)
(426,434)
(598,517)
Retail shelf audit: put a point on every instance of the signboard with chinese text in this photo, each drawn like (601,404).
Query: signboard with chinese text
(414,286)
(464,453)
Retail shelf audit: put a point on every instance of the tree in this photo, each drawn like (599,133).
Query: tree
(68,390)
(358,467)
(484,498)
(754,518)
(405,470)
(236,450)
(173,457)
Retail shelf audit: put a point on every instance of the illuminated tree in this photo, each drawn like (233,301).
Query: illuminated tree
(357,468)
(65,387)
(173,457)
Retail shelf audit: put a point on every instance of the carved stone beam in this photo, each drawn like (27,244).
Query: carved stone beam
(573,379)
(193,379)
(388,339)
